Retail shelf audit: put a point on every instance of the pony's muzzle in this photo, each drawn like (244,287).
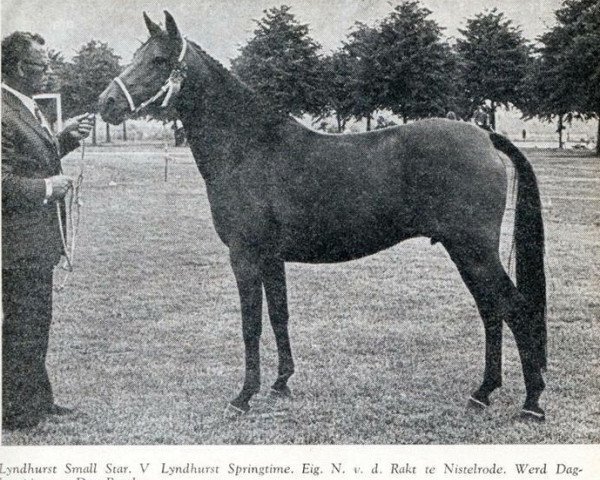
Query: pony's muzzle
(108,106)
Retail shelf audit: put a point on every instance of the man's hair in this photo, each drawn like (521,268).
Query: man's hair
(15,47)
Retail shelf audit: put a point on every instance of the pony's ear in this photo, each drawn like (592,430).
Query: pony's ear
(172,29)
(153,28)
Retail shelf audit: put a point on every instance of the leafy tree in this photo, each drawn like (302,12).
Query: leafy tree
(337,70)
(564,77)
(402,64)
(416,64)
(281,63)
(458,100)
(56,72)
(578,33)
(53,82)
(365,81)
(548,94)
(494,59)
(92,69)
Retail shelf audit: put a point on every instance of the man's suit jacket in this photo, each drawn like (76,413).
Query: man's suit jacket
(30,231)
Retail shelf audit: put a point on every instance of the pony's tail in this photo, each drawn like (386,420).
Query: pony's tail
(529,243)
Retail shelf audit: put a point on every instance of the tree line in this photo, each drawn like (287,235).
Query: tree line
(402,64)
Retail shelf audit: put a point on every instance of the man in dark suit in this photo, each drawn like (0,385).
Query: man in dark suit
(31,243)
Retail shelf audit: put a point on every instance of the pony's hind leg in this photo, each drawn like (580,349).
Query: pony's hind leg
(497,298)
(273,277)
(248,277)
(483,280)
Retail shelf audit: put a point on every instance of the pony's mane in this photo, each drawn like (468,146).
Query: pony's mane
(270,112)
(219,68)
(211,60)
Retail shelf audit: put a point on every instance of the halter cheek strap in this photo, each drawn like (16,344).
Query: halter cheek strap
(120,83)
(183,50)
(171,86)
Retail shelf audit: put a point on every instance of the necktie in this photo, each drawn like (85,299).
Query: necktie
(38,114)
(40,117)
(43,122)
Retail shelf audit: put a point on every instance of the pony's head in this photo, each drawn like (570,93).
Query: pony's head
(154,74)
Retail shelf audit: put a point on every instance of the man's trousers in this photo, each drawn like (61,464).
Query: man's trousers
(27,309)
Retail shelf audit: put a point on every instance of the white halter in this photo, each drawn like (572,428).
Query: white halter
(171,86)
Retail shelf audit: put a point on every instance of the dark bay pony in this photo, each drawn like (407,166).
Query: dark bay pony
(280,192)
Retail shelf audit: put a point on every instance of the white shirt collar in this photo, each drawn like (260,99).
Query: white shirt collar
(27,101)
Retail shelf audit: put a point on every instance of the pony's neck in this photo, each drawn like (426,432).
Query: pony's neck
(225,121)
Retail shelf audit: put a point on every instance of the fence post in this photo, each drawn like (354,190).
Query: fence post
(166,162)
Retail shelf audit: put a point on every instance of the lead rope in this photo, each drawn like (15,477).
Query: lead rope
(71,225)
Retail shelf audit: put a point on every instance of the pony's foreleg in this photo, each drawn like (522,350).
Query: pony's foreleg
(273,278)
(248,278)
(492,375)
(486,299)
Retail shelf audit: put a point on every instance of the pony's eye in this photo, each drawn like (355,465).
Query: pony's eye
(160,61)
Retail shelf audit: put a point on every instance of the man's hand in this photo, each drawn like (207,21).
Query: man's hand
(60,186)
(79,127)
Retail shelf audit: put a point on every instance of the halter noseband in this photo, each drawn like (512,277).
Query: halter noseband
(171,86)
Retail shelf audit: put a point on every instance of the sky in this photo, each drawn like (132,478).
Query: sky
(221,27)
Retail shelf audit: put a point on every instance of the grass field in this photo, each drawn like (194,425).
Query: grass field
(146,343)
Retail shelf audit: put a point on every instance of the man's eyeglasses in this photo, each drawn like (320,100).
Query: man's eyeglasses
(40,65)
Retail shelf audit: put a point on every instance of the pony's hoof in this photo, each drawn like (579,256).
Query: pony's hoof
(284,392)
(478,404)
(533,414)
(232,412)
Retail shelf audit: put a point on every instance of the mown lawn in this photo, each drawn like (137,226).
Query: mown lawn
(146,342)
